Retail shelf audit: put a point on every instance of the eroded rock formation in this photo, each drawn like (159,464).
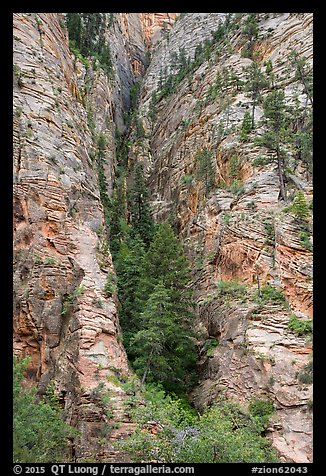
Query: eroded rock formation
(236,235)
(63,317)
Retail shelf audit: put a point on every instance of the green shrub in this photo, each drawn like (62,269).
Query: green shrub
(260,161)
(261,409)
(226,218)
(305,375)
(299,326)
(234,167)
(232,289)
(221,434)
(76,293)
(187,179)
(39,433)
(236,187)
(300,206)
(98,303)
(110,286)
(210,345)
(304,236)
(271,294)
(270,231)
(49,261)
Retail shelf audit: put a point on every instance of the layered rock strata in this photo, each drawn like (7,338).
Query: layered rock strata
(64,318)
(236,233)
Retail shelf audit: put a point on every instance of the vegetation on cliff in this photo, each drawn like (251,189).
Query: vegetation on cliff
(170,431)
(152,281)
(40,434)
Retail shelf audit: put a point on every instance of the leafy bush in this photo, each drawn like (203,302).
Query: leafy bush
(39,432)
(110,286)
(299,207)
(271,294)
(261,409)
(169,431)
(210,345)
(76,293)
(231,289)
(226,218)
(299,326)
(236,187)
(305,375)
(260,161)
(187,179)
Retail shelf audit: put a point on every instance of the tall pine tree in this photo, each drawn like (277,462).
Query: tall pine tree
(256,81)
(164,347)
(141,220)
(276,132)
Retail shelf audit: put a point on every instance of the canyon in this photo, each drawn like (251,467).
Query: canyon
(236,232)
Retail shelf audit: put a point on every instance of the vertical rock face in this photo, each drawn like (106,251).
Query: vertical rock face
(152,23)
(63,317)
(238,234)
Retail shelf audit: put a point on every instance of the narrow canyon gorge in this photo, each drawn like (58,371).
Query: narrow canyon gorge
(196,99)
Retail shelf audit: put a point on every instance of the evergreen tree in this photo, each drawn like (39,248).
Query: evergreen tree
(276,131)
(245,127)
(75,28)
(250,31)
(129,263)
(117,216)
(256,81)
(269,72)
(302,138)
(205,170)
(165,262)
(141,220)
(303,73)
(87,37)
(299,207)
(164,346)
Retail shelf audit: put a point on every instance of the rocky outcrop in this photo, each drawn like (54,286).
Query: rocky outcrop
(237,231)
(64,318)
(153,23)
(65,313)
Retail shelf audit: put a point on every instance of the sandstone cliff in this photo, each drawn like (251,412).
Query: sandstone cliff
(63,316)
(234,234)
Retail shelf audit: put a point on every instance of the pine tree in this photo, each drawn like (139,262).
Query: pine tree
(245,127)
(75,28)
(117,216)
(141,220)
(250,31)
(164,346)
(303,73)
(269,72)
(276,131)
(299,207)
(205,170)
(165,261)
(129,263)
(256,81)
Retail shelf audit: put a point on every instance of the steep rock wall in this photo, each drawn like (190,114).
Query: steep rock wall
(230,235)
(63,318)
